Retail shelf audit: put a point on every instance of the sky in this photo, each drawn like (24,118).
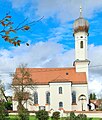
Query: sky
(51,39)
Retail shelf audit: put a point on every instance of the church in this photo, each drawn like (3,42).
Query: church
(62,88)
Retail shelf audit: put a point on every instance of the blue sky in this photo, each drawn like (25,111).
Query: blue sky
(51,39)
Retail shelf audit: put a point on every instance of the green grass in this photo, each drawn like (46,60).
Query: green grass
(96,119)
(12,117)
(33,118)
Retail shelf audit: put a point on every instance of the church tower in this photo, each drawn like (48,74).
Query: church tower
(81,27)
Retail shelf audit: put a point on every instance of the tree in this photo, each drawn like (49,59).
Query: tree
(92,96)
(3,111)
(21,80)
(8,30)
(2,90)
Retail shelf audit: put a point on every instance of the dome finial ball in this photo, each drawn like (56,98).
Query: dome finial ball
(80,24)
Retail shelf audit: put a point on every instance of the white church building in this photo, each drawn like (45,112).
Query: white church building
(62,88)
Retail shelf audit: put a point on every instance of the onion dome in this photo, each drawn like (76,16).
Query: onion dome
(81,24)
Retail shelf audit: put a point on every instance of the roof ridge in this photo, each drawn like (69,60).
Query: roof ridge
(50,68)
(47,69)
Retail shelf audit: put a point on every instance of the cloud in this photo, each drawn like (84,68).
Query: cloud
(19,4)
(95,56)
(63,10)
(95,85)
(35,56)
(49,54)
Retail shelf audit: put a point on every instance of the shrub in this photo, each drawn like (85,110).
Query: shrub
(67,118)
(23,113)
(81,117)
(56,115)
(8,105)
(100,108)
(42,115)
(3,111)
(90,118)
(72,116)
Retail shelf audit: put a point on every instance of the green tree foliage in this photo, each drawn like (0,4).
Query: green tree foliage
(8,30)
(92,96)
(81,117)
(42,115)
(3,111)
(8,105)
(23,113)
(72,116)
(78,117)
(56,115)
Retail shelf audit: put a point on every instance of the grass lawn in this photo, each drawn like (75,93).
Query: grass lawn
(13,117)
(33,118)
(96,119)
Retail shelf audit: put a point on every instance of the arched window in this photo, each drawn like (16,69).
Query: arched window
(81,44)
(73,97)
(82,97)
(60,90)
(48,98)
(35,98)
(60,104)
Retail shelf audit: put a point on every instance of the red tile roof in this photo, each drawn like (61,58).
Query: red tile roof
(96,102)
(46,75)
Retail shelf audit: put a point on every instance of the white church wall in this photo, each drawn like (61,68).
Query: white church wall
(82,67)
(65,97)
(29,104)
(55,97)
(15,104)
(81,89)
(81,53)
(41,90)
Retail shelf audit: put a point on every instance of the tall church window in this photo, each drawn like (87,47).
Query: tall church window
(60,90)
(48,98)
(81,44)
(73,97)
(60,104)
(35,98)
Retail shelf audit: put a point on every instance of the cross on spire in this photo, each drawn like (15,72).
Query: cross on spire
(80,11)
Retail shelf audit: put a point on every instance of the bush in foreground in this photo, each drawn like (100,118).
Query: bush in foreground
(55,115)
(72,116)
(23,113)
(78,117)
(81,117)
(42,115)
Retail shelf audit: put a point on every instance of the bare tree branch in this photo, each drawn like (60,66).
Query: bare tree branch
(21,80)
(7,29)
